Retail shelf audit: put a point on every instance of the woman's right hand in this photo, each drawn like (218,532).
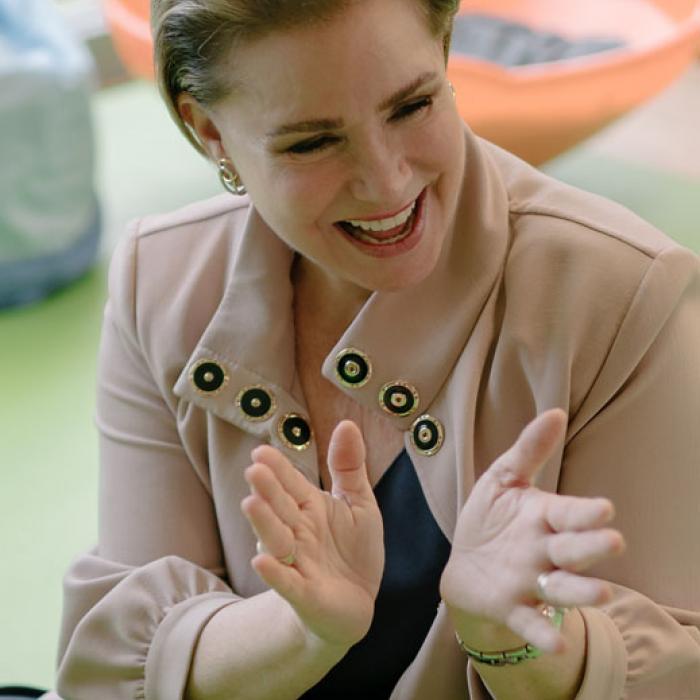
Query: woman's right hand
(336,538)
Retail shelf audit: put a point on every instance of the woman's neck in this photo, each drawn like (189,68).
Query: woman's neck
(323,302)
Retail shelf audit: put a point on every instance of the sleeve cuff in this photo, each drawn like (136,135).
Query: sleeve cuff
(606,658)
(477,687)
(606,662)
(172,650)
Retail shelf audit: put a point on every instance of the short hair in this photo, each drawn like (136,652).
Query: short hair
(191,36)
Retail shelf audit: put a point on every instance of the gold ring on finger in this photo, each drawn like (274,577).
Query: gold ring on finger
(287,561)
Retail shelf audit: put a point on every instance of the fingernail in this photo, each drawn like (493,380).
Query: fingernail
(605,594)
(619,545)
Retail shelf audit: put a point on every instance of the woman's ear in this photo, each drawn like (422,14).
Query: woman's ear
(201,124)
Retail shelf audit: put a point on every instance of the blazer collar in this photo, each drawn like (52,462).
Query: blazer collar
(412,337)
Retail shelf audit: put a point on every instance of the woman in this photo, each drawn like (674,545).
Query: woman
(514,357)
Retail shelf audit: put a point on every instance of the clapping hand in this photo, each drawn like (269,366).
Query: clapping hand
(509,534)
(323,552)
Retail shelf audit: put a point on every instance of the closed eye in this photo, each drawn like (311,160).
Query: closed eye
(312,145)
(320,143)
(412,108)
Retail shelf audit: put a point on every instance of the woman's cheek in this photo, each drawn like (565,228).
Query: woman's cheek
(444,132)
(314,189)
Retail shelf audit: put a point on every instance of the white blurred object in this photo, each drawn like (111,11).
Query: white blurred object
(49,215)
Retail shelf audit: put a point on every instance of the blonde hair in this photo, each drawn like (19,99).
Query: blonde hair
(192,36)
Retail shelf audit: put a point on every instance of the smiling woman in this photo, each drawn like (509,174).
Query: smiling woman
(335,147)
(372,444)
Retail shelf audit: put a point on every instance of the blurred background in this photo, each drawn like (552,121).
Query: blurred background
(605,99)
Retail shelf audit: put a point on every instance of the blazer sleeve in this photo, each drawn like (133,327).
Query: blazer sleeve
(135,605)
(636,440)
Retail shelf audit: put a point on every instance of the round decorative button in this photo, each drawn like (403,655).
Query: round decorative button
(399,399)
(294,431)
(208,377)
(427,435)
(353,368)
(256,403)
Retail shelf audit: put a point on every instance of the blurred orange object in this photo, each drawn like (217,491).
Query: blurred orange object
(129,24)
(541,110)
(536,111)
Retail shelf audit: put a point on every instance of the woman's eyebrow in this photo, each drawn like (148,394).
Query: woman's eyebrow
(313,125)
(408,90)
(307,126)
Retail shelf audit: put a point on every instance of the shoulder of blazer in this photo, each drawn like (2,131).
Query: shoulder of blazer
(195,214)
(168,276)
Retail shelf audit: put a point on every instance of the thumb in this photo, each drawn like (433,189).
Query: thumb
(534,446)
(346,462)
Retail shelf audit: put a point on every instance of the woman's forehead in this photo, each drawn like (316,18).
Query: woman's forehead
(361,56)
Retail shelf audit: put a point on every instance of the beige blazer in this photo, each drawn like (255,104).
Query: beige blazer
(543,296)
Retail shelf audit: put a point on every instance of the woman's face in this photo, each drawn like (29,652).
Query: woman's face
(342,130)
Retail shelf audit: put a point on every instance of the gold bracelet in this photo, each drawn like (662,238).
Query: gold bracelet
(511,657)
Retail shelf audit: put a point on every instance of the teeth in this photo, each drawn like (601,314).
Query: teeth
(385,241)
(385,224)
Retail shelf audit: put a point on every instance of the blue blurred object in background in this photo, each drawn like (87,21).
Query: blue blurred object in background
(509,43)
(49,212)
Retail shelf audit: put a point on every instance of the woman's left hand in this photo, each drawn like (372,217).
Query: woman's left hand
(510,532)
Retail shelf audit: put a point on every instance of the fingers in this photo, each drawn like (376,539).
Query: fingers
(574,513)
(286,580)
(567,590)
(534,446)
(346,463)
(535,628)
(576,551)
(291,480)
(265,483)
(273,511)
(277,537)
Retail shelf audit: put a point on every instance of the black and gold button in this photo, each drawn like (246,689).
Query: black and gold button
(427,435)
(294,431)
(399,399)
(208,377)
(353,368)
(256,403)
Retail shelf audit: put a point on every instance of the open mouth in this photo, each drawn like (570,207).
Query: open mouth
(385,232)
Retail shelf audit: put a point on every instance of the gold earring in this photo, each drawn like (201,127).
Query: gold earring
(230,179)
(452,88)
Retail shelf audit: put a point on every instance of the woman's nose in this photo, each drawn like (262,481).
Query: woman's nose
(382,175)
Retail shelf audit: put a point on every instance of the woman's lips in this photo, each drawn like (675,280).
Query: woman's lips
(390,215)
(405,242)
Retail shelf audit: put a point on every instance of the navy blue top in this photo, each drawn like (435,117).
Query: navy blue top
(416,553)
